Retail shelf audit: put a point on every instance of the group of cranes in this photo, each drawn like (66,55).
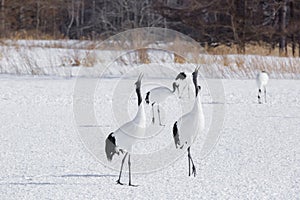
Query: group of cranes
(185,129)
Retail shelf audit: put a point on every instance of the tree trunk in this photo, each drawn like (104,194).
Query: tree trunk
(38,9)
(298,48)
(93,19)
(244,27)
(293,45)
(22,18)
(82,17)
(77,20)
(3,18)
(72,18)
(54,22)
(282,42)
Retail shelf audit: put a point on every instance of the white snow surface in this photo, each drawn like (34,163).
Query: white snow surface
(42,157)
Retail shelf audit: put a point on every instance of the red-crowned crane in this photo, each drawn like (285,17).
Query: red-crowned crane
(189,125)
(158,95)
(127,135)
(262,79)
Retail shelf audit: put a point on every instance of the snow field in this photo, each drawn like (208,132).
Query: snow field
(257,155)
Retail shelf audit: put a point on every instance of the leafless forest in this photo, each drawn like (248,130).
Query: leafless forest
(273,23)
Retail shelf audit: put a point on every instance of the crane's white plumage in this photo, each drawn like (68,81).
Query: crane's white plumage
(190,124)
(126,136)
(158,95)
(183,83)
(187,127)
(262,79)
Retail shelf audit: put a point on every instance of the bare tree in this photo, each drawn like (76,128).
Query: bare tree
(2,17)
(282,29)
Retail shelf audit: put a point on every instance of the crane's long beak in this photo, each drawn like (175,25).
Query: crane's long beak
(195,73)
(138,82)
(140,76)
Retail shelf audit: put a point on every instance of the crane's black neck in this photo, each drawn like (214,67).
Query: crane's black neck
(138,89)
(175,86)
(138,93)
(195,74)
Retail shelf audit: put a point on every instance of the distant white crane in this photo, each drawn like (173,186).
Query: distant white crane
(262,79)
(189,125)
(127,135)
(158,95)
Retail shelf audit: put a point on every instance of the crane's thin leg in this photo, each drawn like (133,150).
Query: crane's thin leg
(259,93)
(194,168)
(158,111)
(118,181)
(189,165)
(153,120)
(265,90)
(129,168)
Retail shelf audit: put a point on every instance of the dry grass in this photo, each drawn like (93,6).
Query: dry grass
(179,59)
(78,58)
(89,59)
(240,62)
(222,60)
(261,49)
(246,66)
(34,35)
(28,65)
(226,61)
(143,56)
(136,40)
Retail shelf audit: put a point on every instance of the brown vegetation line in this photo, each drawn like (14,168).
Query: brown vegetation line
(262,49)
(254,49)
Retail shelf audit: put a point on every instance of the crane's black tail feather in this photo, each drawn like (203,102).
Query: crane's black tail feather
(176,135)
(110,147)
(147,98)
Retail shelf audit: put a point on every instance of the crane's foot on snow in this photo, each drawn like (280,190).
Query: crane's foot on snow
(119,183)
(194,171)
(132,185)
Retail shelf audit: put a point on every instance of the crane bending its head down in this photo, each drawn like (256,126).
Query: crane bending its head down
(158,95)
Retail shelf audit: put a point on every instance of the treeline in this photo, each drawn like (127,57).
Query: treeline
(211,22)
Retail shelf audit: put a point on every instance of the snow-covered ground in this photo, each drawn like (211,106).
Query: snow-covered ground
(257,155)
